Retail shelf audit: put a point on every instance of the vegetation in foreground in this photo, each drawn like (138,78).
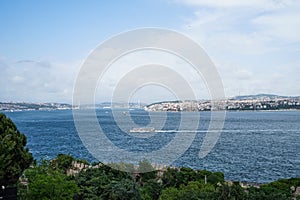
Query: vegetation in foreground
(14,156)
(68,178)
(49,180)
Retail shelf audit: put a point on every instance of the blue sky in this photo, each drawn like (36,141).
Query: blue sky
(69,29)
(255,45)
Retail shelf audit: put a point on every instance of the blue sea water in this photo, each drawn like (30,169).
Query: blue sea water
(254,146)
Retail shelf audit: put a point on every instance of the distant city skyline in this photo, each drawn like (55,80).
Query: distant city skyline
(255,45)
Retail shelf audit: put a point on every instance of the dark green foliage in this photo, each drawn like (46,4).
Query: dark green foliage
(49,181)
(197,190)
(266,194)
(62,161)
(169,193)
(223,192)
(14,157)
(281,189)
(187,183)
(123,189)
(176,178)
(237,192)
(106,183)
(46,183)
(194,190)
(151,189)
(215,178)
(147,171)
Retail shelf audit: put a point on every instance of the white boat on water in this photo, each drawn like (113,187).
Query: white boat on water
(142,130)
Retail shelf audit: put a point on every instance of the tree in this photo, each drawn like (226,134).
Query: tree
(237,192)
(63,162)
(215,178)
(170,193)
(197,190)
(105,182)
(14,157)
(146,170)
(44,182)
(193,190)
(151,189)
(124,189)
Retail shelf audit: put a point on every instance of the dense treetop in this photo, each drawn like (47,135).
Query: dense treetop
(14,157)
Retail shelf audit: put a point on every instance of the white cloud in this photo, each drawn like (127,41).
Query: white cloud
(18,79)
(130,63)
(42,81)
(284,25)
(235,3)
(250,41)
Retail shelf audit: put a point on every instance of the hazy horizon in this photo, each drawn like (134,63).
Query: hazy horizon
(141,102)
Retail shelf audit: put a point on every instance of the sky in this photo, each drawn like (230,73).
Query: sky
(255,45)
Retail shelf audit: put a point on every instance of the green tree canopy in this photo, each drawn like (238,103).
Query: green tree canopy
(146,170)
(44,182)
(14,156)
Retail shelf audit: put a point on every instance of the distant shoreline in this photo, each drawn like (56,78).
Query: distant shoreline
(266,103)
(232,111)
(253,103)
(170,111)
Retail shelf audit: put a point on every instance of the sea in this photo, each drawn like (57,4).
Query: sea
(254,146)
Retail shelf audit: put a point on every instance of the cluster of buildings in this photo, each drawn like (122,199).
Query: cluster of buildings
(21,106)
(265,104)
(228,104)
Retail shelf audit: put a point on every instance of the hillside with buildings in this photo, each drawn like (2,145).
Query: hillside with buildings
(21,106)
(249,102)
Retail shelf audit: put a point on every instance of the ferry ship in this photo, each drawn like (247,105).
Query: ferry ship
(142,130)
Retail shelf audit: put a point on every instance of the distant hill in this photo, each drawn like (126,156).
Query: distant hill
(246,102)
(261,96)
(19,106)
